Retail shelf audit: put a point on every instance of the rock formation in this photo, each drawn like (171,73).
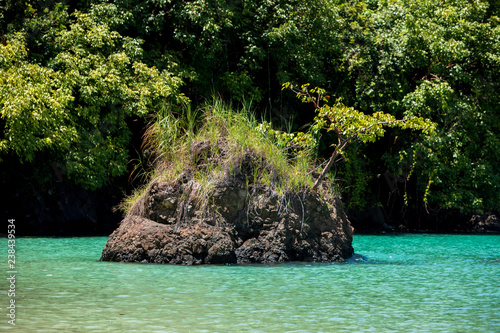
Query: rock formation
(236,222)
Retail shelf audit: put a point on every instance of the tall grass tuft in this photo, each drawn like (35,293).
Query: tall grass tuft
(232,136)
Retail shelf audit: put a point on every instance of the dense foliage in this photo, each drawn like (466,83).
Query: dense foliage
(73,107)
(72,75)
(350,125)
(221,145)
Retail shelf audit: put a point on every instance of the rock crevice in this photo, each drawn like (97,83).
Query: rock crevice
(236,223)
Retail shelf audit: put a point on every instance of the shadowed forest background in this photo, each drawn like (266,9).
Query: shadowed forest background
(82,81)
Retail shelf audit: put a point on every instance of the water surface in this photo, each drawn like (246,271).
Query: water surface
(403,283)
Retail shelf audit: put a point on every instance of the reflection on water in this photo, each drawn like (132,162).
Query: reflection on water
(407,283)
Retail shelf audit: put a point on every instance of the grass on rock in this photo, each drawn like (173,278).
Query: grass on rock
(213,145)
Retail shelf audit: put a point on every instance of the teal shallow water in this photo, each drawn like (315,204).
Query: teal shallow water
(403,283)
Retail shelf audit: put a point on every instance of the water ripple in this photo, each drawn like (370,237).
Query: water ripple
(408,283)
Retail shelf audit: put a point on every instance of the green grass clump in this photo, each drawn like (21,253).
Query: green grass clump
(236,147)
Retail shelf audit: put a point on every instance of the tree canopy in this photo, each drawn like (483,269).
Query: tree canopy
(75,107)
(74,74)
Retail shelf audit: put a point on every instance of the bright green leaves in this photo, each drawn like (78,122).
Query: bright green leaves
(351,125)
(150,87)
(297,143)
(75,108)
(33,105)
(437,60)
(13,52)
(70,93)
(99,64)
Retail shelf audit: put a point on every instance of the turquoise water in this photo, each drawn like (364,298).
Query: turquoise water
(403,283)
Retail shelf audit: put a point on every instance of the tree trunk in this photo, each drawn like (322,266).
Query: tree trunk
(336,152)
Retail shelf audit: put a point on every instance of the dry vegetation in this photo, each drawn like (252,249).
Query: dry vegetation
(213,146)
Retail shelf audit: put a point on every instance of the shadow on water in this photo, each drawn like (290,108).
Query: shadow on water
(358,259)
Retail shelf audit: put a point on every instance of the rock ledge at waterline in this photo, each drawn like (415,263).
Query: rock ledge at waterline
(236,225)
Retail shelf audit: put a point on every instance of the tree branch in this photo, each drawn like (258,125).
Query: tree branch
(342,144)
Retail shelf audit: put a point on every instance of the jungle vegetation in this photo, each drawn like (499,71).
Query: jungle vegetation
(75,74)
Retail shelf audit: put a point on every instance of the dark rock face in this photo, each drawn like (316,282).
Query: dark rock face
(233,221)
(235,227)
(488,223)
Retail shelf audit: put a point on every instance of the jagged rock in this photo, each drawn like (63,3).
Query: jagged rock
(485,223)
(237,223)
